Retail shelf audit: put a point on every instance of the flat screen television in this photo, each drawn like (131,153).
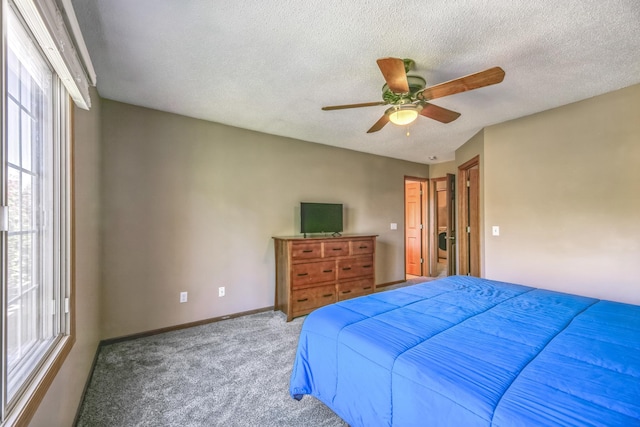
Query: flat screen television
(320,218)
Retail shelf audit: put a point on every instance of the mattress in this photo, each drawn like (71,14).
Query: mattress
(464,351)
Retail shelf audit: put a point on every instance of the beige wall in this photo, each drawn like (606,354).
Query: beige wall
(563,186)
(472,148)
(61,401)
(191,205)
(439,170)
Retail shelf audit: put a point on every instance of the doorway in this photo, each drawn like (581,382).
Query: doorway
(442,248)
(415,214)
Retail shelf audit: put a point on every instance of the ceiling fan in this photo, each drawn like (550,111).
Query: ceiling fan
(409,97)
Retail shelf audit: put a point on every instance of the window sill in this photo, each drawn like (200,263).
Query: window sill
(25,407)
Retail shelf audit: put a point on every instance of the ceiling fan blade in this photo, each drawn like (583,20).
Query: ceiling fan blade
(394,74)
(472,81)
(379,124)
(343,107)
(438,113)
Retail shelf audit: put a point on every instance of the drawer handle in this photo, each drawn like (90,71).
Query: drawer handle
(346,268)
(367,287)
(327,295)
(346,292)
(327,271)
(303,274)
(306,251)
(363,247)
(303,300)
(366,266)
(336,249)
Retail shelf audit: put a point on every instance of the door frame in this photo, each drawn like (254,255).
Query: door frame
(450,180)
(433,225)
(468,220)
(424,243)
(451,225)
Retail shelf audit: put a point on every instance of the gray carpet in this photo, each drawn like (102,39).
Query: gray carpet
(229,373)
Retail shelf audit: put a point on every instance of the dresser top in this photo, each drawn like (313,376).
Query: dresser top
(327,237)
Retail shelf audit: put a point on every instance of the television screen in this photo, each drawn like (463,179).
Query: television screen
(320,217)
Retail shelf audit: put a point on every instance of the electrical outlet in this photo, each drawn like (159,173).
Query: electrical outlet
(183,297)
(221,291)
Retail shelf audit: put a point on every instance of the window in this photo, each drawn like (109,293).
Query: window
(35,178)
(31,324)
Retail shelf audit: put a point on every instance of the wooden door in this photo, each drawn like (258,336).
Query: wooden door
(451,224)
(413,227)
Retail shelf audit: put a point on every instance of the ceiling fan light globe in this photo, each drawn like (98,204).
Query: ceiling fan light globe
(403,117)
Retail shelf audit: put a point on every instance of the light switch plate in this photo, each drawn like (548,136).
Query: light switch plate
(394,226)
(495,230)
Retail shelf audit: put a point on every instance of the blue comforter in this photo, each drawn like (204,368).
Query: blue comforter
(464,351)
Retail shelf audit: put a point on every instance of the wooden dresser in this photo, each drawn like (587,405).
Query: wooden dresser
(316,271)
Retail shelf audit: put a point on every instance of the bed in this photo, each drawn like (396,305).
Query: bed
(464,351)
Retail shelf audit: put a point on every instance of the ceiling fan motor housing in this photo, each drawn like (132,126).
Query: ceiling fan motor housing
(416,83)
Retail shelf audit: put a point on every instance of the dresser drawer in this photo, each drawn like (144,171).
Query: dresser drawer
(305,300)
(310,273)
(306,250)
(355,288)
(362,247)
(333,249)
(355,267)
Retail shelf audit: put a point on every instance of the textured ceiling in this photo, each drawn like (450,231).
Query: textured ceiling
(270,65)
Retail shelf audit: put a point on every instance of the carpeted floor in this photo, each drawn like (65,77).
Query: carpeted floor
(229,373)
